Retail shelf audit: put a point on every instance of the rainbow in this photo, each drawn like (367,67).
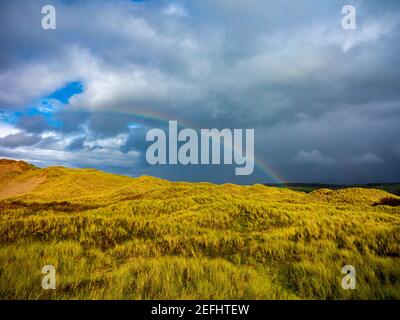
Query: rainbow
(261,164)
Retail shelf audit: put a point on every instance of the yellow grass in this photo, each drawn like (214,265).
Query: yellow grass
(115,237)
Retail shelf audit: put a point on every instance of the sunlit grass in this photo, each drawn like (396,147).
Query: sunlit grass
(113,237)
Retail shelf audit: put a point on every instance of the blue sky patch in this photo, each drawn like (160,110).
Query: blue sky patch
(64,94)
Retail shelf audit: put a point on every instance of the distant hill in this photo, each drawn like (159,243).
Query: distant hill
(309,187)
(8,168)
(19,178)
(10,171)
(55,183)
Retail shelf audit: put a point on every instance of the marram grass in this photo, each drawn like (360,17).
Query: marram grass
(114,237)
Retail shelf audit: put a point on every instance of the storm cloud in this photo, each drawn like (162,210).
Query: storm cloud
(324,102)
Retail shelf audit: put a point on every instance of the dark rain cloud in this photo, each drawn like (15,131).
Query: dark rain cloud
(325,103)
(18,139)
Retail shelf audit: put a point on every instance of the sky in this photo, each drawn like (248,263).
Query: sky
(324,102)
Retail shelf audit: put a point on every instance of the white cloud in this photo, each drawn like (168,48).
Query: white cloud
(108,143)
(230,65)
(370,33)
(174,9)
(313,157)
(368,158)
(6,130)
(29,81)
(132,87)
(95,153)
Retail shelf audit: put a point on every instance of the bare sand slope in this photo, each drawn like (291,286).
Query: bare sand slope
(12,167)
(16,188)
(12,180)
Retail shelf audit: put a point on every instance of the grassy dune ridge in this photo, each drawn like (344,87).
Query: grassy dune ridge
(116,237)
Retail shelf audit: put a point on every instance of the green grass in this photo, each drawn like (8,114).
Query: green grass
(114,237)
